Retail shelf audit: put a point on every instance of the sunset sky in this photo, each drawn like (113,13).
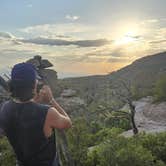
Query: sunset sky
(81,37)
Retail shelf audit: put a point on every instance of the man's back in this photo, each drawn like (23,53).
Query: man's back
(28,125)
(23,124)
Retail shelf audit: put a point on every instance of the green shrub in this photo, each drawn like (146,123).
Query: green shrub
(160,89)
(106,133)
(7,157)
(135,151)
(118,120)
(156,143)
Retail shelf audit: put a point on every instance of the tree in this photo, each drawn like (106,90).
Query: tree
(123,93)
(160,89)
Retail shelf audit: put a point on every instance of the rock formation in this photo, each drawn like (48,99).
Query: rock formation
(149,117)
(71,103)
(49,75)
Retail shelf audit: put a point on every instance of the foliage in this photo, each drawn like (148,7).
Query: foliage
(120,151)
(104,147)
(95,126)
(160,89)
(7,157)
(118,119)
(79,140)
(156,143)
(106,133)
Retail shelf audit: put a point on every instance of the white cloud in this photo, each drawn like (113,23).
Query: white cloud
(53,30)
(152,41)
(60,42)
(153,21)
(6,35)
(71,17)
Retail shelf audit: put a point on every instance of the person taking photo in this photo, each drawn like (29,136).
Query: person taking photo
(29,125)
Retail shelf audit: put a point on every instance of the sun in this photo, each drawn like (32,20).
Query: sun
(127,38)
(127,34)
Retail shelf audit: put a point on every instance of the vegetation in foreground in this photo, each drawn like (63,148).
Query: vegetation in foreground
(105,147)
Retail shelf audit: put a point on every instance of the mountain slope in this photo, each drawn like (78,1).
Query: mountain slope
(143,72)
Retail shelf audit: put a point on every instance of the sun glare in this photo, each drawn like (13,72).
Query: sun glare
(127,34)
(125,40)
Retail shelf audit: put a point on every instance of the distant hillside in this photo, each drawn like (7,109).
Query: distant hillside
(143,72)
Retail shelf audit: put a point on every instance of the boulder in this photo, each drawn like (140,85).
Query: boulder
(149,117)
(68,93)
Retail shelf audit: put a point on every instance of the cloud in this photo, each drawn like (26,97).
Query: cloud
(118,52)
(118,60)
(152,21)
(72,18)
(62,36)
(6,35)
(134,37)
(52,30)
(60,42)
(10,57)
(158,41)
(78,58)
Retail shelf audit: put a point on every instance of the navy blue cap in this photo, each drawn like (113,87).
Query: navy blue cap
(23,72)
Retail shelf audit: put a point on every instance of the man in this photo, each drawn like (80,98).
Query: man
(29,125)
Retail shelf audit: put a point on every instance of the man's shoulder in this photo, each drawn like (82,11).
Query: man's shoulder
(42,106)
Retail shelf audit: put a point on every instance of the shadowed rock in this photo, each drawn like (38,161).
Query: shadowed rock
(49,75)
(40,63)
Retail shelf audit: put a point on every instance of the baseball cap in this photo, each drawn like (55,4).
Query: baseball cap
(24,73)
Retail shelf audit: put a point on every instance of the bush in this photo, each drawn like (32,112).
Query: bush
(136,155)
(105,134)
(135,151)
(156,144)
(118,120)
(79,139)
(160,89)
(7,157)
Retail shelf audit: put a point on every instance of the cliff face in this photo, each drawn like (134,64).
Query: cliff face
(150,117)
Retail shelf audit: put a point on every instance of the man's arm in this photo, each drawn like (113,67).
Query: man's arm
(58,107)
(56,116)
(57,120)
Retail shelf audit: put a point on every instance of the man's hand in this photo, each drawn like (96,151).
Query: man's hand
(45,95)
(56,117)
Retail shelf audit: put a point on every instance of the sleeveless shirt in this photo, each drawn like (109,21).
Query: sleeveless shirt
(23,125)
